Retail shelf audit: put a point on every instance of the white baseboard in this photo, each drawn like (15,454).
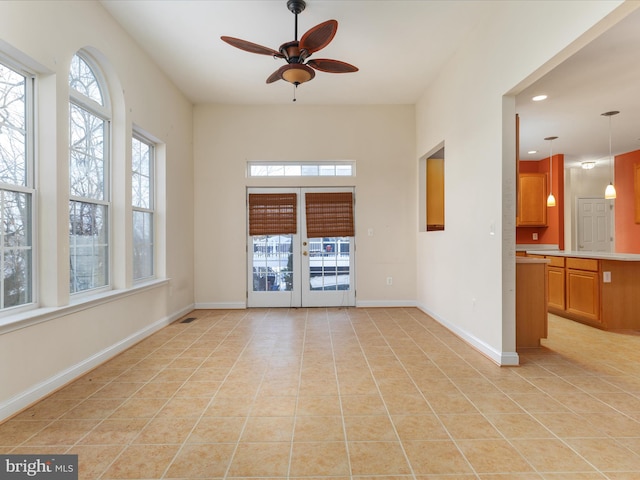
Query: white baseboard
(385,303)
(36,392)
(505,359)
(221,306)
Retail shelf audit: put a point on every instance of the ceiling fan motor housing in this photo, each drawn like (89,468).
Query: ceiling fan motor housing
(292,52)
(296,6)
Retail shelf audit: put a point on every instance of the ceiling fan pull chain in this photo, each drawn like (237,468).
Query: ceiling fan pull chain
(295,88)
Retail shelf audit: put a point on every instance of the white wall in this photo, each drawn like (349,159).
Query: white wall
(443,271)
(466,274)
(380,139)
(43,349)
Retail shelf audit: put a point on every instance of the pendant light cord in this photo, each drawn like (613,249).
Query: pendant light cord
(610,158)
(551,166)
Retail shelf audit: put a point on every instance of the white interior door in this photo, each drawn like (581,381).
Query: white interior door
(292,270)
(594,225)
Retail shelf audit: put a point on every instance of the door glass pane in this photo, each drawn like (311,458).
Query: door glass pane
(272,263)
(329,263)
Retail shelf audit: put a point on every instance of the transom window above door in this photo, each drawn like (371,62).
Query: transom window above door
(301,169)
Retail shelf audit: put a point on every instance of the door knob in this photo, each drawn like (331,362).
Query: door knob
(304,244)
(305,253)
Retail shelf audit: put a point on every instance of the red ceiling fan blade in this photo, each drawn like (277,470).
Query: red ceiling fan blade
(319,36)
(251,47)
(331,66)
(275,76)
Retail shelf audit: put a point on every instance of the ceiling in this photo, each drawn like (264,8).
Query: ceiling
(382,38)
(399,47)
(601,77)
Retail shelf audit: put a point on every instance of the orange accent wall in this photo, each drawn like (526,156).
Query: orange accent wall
(627,231)
(553,233)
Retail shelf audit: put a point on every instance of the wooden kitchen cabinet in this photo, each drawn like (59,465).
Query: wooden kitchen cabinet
(556,287)
(556,282)
(601,292)
(531,302)
(532,200)
(583,289)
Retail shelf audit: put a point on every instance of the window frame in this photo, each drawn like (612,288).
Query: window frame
(28,188)
(104,113)
(139,136)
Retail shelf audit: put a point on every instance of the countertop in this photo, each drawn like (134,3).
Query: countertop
(523,247)
(531,260)
(624,257)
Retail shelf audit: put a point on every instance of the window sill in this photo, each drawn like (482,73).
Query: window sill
(28,318)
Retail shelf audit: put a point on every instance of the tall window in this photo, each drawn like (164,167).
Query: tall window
(16,187)
(89,126)
(142,186)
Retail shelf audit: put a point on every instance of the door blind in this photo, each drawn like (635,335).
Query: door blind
(272,213)
(329,214)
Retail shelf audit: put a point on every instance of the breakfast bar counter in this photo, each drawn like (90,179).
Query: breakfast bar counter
(597,288)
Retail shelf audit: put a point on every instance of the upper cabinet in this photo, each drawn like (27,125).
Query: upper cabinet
(532,200)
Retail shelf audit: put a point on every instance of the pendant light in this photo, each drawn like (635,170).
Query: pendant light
(610,191)
(551,200)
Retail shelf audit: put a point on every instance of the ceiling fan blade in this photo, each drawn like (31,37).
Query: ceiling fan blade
(331,66)
(319,36)
(251,47)
(275,76)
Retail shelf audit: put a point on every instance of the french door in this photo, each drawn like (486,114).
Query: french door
(299,262)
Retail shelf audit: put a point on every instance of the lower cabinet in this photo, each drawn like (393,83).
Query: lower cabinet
(583,289)
(556,282)
(583,294)
(574,288)
(556,287)
(531,302)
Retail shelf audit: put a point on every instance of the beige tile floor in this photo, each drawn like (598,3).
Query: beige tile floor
(345,393)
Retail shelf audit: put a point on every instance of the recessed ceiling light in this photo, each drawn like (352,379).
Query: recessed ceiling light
(539,98)
(531,152)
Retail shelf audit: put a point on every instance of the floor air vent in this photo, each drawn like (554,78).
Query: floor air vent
(188,320)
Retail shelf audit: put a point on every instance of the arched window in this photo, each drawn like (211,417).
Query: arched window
(89,156)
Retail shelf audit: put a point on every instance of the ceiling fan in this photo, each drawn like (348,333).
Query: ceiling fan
(298,69)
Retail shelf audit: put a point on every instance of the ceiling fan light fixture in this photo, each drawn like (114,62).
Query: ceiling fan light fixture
(296,73)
